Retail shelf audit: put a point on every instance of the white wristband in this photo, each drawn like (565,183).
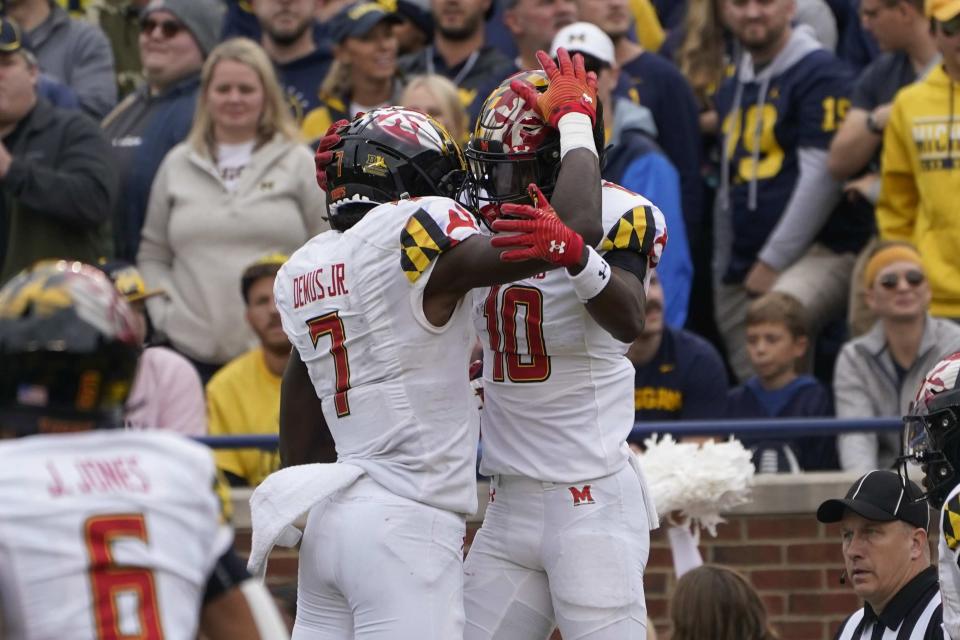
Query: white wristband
(592,278)
(576,132)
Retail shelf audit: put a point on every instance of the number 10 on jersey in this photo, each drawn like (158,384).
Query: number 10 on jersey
(532,364)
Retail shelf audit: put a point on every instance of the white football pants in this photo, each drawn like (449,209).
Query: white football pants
(570,555)
(377,566)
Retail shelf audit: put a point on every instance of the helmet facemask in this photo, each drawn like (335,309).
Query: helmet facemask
(931,439)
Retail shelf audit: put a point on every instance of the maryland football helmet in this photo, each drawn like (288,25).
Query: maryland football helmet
(512,146)
(388,154)
(68,349)
(931,431)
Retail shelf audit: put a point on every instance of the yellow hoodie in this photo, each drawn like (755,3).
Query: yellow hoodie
(920,191)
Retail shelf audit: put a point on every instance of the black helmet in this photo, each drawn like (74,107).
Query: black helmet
(388,154)
(512,146)
(931,431)
(68,348)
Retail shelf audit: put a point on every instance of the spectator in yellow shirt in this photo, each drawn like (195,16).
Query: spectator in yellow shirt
(243,398)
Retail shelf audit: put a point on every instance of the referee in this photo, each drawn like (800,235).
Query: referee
(887,560)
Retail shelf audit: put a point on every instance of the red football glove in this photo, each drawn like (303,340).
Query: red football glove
(543,235)
(571,89)
(324,156)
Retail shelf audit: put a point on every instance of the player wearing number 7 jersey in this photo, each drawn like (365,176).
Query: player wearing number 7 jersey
(376,312)
(565,537)
(104,534)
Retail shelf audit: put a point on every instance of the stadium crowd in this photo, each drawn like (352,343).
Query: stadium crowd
(761,132)
(801,152)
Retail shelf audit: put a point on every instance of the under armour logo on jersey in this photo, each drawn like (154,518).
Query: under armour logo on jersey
(581,496)
(603,271)
(559,248)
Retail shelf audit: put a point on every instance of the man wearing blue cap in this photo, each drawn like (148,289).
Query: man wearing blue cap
(364,74)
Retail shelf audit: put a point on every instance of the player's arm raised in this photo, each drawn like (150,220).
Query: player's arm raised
(304,435)
(569,105)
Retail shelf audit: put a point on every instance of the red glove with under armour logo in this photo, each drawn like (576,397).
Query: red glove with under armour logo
(542,235)
(324,156)
(571,89)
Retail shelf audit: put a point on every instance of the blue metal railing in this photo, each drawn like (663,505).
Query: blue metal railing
(771,427)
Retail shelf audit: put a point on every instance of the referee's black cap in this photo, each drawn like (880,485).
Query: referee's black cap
(880,495)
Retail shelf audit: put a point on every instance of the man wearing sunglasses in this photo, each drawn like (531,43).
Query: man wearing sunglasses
(175,38)
(878,372)
(920,165)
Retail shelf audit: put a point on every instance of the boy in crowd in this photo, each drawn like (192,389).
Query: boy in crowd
(777,340)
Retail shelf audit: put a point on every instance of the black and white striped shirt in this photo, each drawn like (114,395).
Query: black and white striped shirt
(914,613)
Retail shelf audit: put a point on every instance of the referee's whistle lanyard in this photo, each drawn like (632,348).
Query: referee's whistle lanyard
(465,70)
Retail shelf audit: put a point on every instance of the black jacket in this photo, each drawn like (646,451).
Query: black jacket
(57,196)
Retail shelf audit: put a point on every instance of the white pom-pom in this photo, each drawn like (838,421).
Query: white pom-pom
(698,480)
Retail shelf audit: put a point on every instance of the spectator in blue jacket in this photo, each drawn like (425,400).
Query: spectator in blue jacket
(175,38)
(679,375)
(777,341)
(635,161)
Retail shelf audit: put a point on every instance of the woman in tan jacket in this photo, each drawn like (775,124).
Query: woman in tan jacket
(241,186)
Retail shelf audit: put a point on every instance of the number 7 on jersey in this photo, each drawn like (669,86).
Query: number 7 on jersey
(331,325)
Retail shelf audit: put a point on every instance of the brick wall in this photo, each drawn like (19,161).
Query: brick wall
(792,560)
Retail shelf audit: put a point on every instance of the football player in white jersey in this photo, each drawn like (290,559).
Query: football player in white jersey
(104,534)
(565,537)
(931,438)
(375,310)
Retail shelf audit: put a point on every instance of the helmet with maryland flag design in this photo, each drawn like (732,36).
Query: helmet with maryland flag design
(68,350)
(388,154)
(512,146)
(931,430)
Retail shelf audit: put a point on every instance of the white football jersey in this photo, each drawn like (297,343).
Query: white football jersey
(394,387)
(107,534)
(558,389)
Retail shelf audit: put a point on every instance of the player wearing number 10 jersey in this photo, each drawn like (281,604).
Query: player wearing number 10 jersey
(375,310)
(565,537)
(104,534)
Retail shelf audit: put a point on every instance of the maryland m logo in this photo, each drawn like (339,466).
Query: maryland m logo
(581,496)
